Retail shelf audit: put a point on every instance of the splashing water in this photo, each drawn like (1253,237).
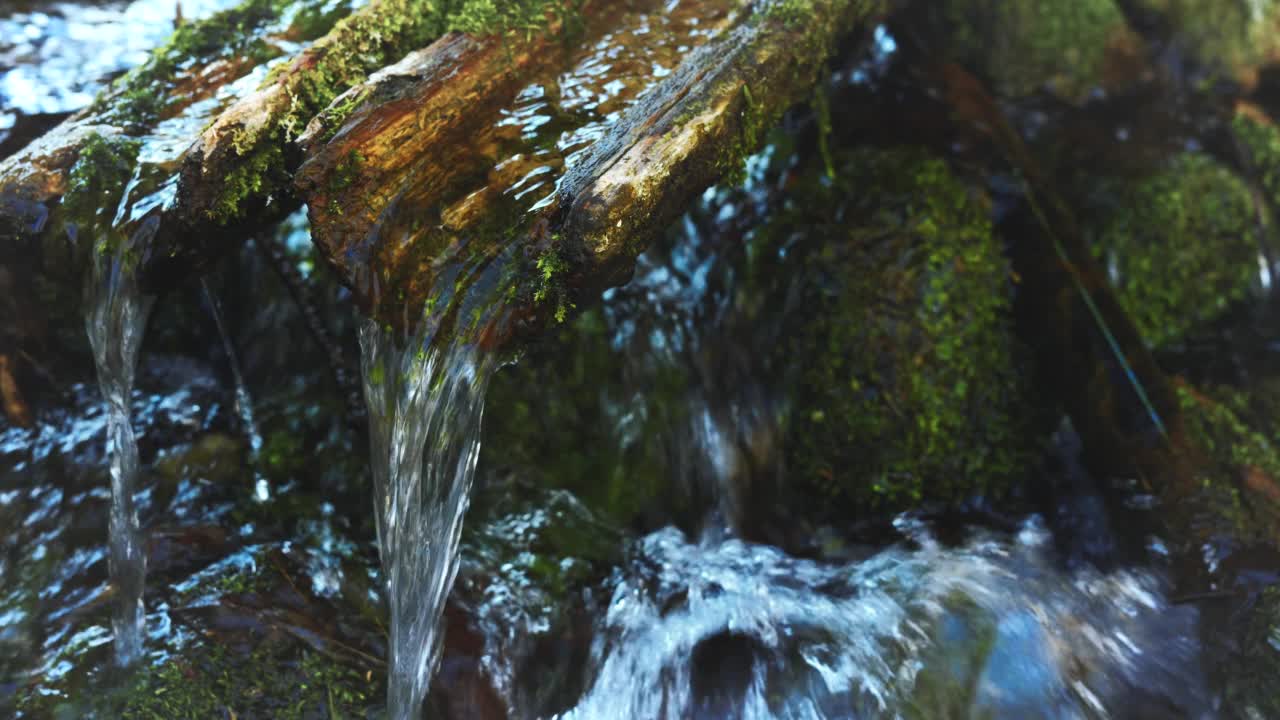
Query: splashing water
(425,407)
(987,629)
(116,319)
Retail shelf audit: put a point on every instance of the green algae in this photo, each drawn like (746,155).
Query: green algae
(907,390)
(1180,245)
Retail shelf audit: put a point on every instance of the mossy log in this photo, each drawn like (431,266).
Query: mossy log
(690,129)
(220,183)
(143,118)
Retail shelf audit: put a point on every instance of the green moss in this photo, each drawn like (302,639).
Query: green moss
(906,389)
(279,680)
(1180,245)
(1238,434)
(501,17)
(1022,46)
(250,180)
(1249,676)
(357,46)
(559,426)
(1261,145)
(96,187)
(551,267)
(793,13)
(143,95)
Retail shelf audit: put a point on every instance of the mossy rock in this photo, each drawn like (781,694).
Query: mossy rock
(1023,46)
(1237,434)
(905,388)
(1180,245)
(1224,38)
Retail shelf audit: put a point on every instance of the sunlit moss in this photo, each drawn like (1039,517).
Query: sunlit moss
(1180,245)
(355,47)
(142,96)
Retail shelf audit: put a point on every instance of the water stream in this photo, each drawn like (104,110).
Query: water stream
(986,629)
(116,319)
(425,406)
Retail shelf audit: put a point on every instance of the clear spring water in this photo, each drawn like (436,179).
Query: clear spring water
(116,319)
(425,406)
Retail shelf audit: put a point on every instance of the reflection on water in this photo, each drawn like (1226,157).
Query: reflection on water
(56,56)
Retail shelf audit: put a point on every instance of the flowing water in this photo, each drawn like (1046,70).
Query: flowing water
(990,628)
(116,319)
(425,406)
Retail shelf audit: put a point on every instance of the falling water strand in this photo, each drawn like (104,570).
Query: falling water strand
(244,403)
(425,406)
(116,318)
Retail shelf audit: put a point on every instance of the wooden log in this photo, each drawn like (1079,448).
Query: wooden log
(398,242)
(414,118)
(58,187)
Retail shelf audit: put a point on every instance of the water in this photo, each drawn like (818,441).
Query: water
(987,629)
(116,319)
(425,406)
(244,403)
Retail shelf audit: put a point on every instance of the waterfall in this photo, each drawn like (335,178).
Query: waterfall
(425,406)
(116,317)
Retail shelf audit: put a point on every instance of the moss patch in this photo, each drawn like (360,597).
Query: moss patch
(1180,245)
(96,188)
